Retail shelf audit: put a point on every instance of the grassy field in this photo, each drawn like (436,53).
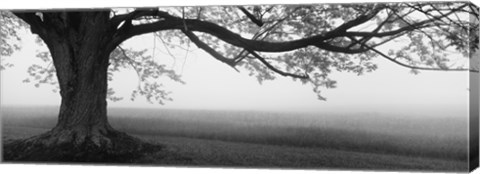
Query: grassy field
(267,139)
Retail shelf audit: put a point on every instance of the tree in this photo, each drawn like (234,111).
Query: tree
(304,42)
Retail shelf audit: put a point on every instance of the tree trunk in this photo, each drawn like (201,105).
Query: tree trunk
(80,52)
(82,75)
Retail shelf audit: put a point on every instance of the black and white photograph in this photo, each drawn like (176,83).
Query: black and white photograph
(319,86)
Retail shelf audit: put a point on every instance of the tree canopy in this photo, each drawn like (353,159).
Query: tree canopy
(304,42)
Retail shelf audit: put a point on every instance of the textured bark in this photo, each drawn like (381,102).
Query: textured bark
(80,48)
(81,62)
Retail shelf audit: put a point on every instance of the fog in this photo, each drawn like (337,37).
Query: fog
(211,85)
(437,137)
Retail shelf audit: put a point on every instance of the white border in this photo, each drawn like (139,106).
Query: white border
(87,4)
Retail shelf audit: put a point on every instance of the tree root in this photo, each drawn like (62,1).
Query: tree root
(69,146)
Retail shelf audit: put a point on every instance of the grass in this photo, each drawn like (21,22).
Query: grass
(241,137)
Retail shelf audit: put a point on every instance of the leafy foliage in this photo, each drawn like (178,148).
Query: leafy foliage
(304,42)
(149,73)
(9,39)
(148,70)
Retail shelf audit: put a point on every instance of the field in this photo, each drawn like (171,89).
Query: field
(285,140)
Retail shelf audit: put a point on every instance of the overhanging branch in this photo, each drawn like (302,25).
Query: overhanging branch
(235,39)
(321,41)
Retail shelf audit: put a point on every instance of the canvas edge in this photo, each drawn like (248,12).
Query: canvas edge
(473,128)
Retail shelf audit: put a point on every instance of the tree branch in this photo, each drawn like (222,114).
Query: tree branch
(418,25)
(36,23)
(251,16)
(132,64)
(137,13)
(208,49)
(271,67)
(357,21)
(232,62)
(320,41)
(235,39)
(411,66)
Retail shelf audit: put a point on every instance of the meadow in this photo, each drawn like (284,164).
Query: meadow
(278,139)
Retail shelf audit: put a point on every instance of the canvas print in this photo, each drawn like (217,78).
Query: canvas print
(351,86)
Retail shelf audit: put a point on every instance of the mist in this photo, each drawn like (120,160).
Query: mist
(442,136)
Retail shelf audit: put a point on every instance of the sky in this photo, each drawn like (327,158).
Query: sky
(212,85)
